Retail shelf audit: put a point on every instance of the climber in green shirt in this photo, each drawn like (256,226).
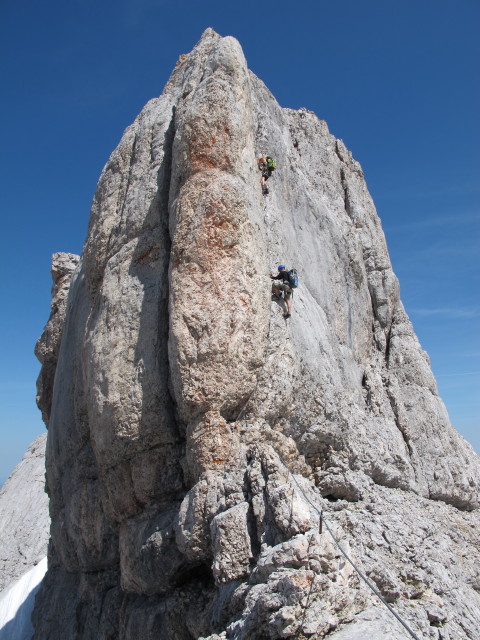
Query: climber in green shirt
(267,165)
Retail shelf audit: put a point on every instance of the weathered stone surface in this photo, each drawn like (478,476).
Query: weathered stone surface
(195,435)
(77,605)
(231,545)
(150,561)
(48,345)
(372,623)
(24,521)
(218,252)
(212,444)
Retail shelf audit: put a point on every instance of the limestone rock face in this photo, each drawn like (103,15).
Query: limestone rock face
(24,521)
(48,345)
(195,435)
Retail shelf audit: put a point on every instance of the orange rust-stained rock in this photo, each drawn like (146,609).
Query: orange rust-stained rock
(211,443)
(218,319)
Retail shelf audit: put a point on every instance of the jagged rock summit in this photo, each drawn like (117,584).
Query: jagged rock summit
(195,435)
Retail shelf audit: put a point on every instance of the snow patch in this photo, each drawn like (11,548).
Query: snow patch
(16,604)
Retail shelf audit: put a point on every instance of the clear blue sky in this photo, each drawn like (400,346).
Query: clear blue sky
(396,80)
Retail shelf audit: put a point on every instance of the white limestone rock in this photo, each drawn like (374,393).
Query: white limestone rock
(231,545)
(24,520)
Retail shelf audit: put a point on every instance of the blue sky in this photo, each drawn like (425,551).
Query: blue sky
(396,80)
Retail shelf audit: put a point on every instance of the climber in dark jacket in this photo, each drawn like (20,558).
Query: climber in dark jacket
(283,286)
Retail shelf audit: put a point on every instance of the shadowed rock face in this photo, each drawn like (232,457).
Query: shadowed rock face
(193,431)
(48,345)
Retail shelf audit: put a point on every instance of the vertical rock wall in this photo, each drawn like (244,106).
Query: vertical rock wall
(218,313)
(193,430)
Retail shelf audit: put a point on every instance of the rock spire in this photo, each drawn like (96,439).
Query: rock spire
(195,435)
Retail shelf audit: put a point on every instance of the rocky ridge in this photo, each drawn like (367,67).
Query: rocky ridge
(24,521)
(195,436)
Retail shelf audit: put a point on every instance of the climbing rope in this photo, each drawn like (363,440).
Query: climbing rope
(346,556)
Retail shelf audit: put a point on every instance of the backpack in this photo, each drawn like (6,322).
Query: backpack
(293,278)
(271,164)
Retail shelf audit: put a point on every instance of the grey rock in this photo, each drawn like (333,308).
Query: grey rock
(24,520)
(231,546)
(150,561)
(372,623)
(77,605)
(195,435)
(48,345)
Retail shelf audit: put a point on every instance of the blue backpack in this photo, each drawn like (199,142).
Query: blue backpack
(293,278)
